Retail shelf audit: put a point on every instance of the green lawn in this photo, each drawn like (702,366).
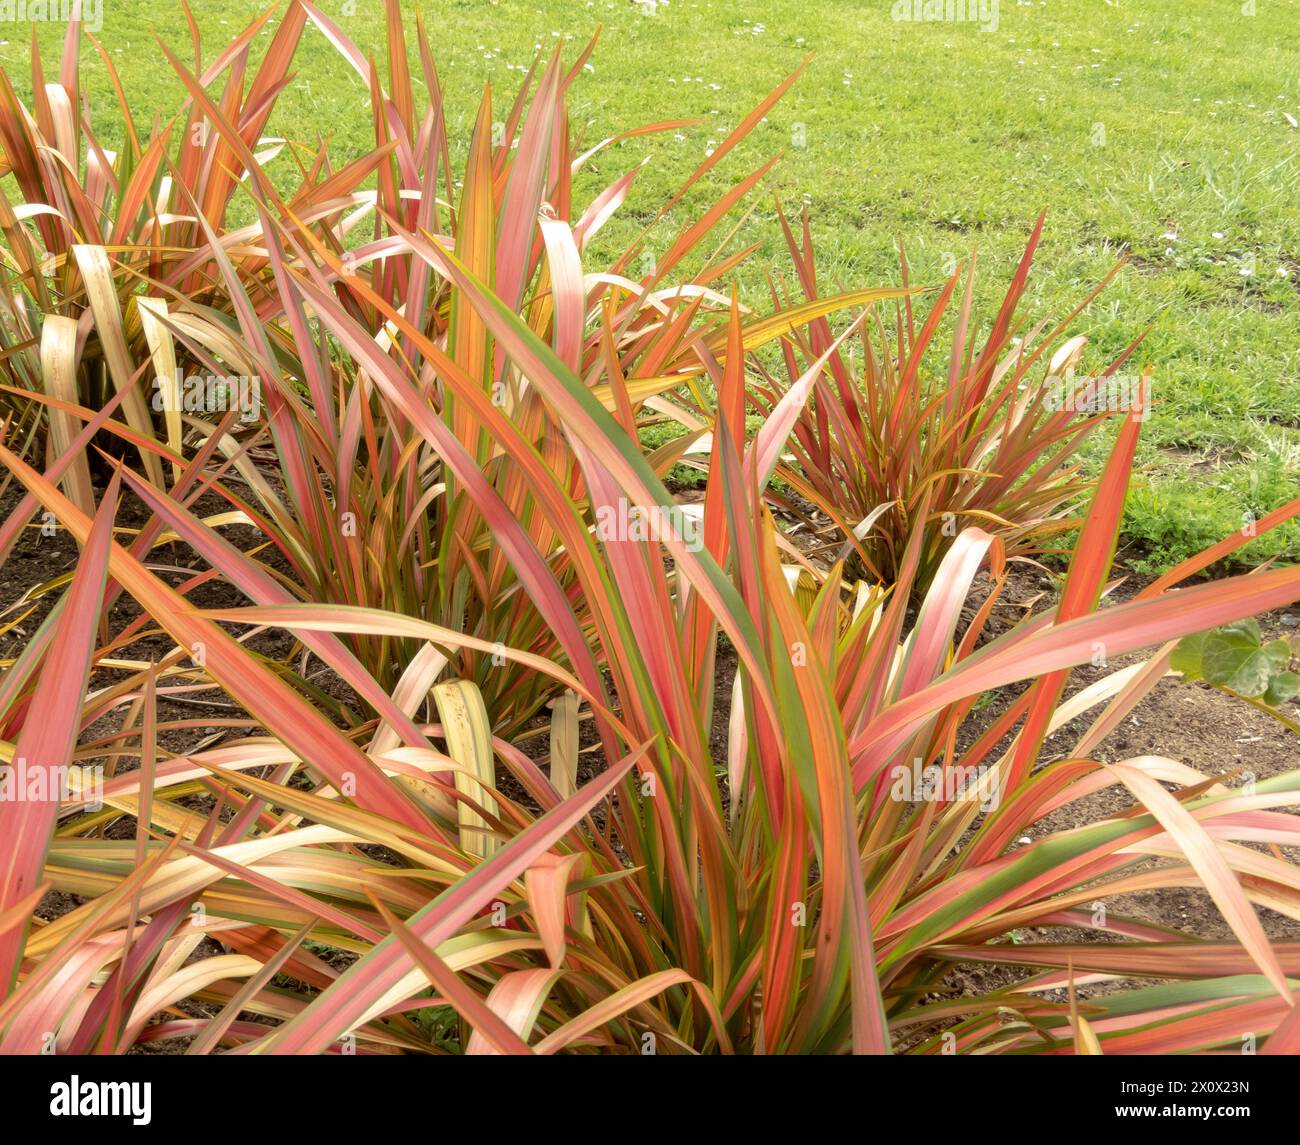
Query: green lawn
(1168,126)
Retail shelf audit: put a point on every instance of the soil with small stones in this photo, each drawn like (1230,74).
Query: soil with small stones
(1190,723)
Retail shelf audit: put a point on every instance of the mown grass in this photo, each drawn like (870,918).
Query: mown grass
(1164,127)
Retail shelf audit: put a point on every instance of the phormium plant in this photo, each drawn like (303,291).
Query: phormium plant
(374,851)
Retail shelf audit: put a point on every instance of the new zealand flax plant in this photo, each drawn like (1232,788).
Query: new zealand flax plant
(372,853)
(924,422)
